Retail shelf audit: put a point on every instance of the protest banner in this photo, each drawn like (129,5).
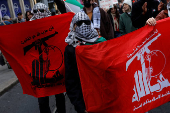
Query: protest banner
(35,51)
(127,74)
(106,4)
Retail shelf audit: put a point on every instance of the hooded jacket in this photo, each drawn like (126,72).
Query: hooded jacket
(106,29)
(139,19)
(125,24)
(129,2)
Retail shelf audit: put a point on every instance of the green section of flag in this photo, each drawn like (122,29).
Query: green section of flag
(74,2)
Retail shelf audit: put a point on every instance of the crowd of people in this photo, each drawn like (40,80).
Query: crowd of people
(120,20)
(90,26)
(6,20)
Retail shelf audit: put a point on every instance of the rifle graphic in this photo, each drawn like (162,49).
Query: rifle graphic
(38,43)
(143,86)
(140,53)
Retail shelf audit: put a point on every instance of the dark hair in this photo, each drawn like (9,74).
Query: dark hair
(117,13)
(26,16)
(19,14)
(15,20)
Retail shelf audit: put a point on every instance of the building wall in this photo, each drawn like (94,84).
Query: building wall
(12,7)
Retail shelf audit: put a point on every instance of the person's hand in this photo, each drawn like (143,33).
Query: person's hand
(151,21)
(144,8)
(160,6)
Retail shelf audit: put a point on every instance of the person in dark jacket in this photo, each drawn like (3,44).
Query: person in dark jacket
(6,21)
(81,33)
(20,18)
(165,13)
(142,11)
(39,11)
(120,7)
(125,23)
(99,18)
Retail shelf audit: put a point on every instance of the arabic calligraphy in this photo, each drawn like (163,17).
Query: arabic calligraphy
(151,100)
(138,47)
(38,34)
(144,77)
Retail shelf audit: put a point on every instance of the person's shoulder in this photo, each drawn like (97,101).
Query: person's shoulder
(99,8)
(7,22)
(22,20)
(101,39)
(102,12)
(124,15)
(1,24)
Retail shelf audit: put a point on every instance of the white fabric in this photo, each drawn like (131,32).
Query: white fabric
(81,34)
(115,21)
(129,2)
(168,8)
(71,40)
(129,13)
(72,8)
(39,14)
(96,18)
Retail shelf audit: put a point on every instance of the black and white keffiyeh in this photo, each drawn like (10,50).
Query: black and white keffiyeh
(81,34)
(40,10)
(96,17)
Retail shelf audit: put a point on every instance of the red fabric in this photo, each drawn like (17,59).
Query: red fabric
(116,24)
(35,51)
(129,73)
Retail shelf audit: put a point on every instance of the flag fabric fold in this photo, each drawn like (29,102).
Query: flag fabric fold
(73,6)
(127,74)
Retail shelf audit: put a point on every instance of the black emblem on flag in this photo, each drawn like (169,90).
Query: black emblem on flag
(41,66)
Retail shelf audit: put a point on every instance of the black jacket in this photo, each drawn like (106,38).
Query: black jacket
(72,80)
(112,21)
(138,19)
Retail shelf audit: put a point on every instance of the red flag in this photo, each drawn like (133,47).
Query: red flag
(35,52)
(127,74)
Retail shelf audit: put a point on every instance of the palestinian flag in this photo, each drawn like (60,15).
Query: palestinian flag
(73,6)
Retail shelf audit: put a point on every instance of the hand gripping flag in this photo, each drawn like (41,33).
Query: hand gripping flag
(127,74)
(35,51)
